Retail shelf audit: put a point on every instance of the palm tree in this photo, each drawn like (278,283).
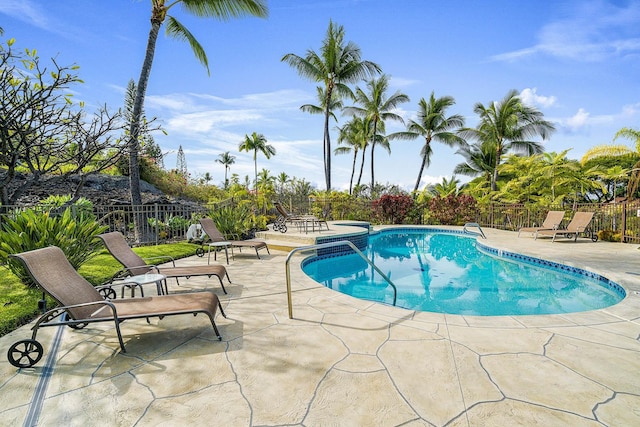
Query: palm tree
(354,136)
(445,188)
(377,108)
(337,65)
(433,125)
(508,125)
(221,9)
(257,142)
(633,134)
(282,180)
(479,161)
(227,160)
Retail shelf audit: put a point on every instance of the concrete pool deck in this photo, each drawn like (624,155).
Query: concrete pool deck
(343,361)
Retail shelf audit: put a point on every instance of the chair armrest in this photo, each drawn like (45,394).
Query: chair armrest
(123,273)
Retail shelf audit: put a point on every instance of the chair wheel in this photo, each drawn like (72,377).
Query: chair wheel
(200,252)
(594,237)
(107,293)
(77,325)
(25,353)
(283,228)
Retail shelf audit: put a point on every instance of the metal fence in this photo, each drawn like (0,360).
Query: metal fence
(162,223)
(609,221)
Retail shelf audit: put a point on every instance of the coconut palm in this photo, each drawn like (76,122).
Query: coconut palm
(221,9)
(508,125)
(227,160)
(354,137)
(377,108)
(479,161)
(336,65)
(445,188)
(433,124)
(257,143)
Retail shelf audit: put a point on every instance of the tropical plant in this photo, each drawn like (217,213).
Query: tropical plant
(221,9)
(432,124)
(453,210)
(354,136)
(393,209)
(445,188)
(377,107)
(227,160)
(508,125)
(257,143)
(28,230)
(336,65)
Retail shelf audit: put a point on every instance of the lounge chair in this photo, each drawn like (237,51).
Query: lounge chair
(301,221)
(134,265)
(579,224)
(81,303)
(215,237)
(551,222)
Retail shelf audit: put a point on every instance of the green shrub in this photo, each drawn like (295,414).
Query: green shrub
(28,230)
(233,222)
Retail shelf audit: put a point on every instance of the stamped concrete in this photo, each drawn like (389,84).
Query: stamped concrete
(343,361)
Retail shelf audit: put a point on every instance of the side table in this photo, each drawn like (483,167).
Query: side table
(142,279)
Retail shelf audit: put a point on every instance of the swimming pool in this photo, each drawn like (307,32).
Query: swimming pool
(447,272)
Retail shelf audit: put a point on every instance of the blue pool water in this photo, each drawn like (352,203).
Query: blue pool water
(447,273)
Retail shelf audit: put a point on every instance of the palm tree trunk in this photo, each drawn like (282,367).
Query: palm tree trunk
(327,144)
(373,145)
(353,170)
(494,180)
(361,167)
(141,89)
(424,162)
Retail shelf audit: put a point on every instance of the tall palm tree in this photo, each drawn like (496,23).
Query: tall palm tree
(479,160)
(336,65)
(257,143)
(227,160)
(433,124)
(221,9)
(509,125)
(377,108)
(354,137)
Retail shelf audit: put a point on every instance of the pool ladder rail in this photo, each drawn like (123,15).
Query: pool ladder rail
(477,233)
(331,245)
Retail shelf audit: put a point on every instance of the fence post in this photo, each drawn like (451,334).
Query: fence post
(625,205)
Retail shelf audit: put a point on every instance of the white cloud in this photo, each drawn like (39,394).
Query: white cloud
(24,10)
(578,120)
(595,31)
(531,97)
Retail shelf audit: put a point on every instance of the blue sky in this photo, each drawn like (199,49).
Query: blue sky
(577,61)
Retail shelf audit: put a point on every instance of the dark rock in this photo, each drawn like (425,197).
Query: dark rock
(100,189)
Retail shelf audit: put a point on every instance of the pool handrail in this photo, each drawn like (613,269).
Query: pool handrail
(331,245)
(473,224)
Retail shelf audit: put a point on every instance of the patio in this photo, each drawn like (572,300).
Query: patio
(343,361)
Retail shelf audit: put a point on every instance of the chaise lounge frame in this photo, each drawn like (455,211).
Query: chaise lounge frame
(81,303)
(133,264)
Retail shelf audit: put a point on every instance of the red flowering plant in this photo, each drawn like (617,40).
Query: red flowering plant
(393,209)
(453,210)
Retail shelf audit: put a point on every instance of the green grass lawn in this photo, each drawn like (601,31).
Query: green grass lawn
(19,304)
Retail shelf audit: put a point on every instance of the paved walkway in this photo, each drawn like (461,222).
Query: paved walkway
(343,361)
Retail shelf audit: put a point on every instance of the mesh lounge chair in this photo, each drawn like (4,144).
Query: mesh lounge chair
(215,236)
(81,303)
(551,222)
(579,224)
(301,221)
(134,265)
